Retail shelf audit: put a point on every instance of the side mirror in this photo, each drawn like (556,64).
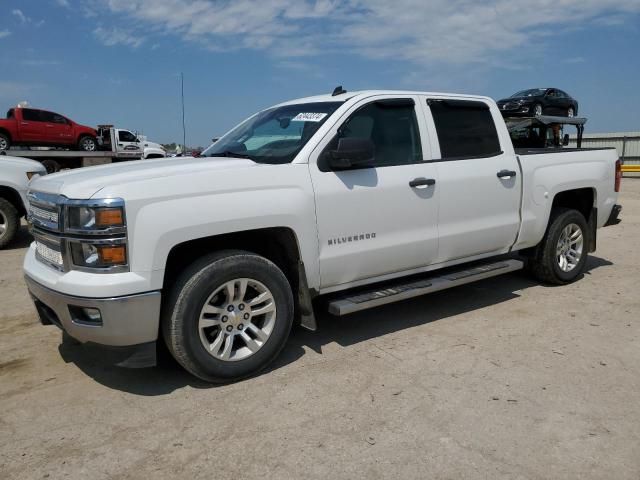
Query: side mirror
(352,153)
(565,139)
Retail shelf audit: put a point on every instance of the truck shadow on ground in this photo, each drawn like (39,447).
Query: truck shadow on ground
(345,331)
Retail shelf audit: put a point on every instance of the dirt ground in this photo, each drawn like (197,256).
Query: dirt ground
(504,378)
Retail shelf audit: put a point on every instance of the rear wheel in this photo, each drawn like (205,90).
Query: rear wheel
(562,254)
(5,142)
(228,316)
(9,222)
(51,165)
(88,144)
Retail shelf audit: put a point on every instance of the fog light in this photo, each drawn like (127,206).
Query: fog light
(85,315)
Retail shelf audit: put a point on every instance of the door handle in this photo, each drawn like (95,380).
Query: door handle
(422,182)
(506,173)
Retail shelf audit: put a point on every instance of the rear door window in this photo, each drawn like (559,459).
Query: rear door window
(465,129)
(31,115)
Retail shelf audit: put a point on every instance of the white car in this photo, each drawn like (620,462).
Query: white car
(15,174)
(364,198)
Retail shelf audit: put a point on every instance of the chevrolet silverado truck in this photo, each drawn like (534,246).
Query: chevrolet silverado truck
(362,199)
(15,174)
(30,126)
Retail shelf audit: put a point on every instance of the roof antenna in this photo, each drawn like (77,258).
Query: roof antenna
(338,91)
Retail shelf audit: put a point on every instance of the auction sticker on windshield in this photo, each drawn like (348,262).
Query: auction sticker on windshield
(309,117)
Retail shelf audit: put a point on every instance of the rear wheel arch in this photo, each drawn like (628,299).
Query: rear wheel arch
(580,199)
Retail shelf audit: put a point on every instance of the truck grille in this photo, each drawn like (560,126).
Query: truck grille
(44,211)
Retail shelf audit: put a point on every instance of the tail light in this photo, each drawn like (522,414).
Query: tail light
(616,185)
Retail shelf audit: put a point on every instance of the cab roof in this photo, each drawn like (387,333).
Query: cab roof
(370,93)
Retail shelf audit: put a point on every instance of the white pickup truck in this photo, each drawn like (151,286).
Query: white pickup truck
(362,198)
(15,174)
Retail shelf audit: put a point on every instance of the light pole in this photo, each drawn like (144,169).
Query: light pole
(184,131)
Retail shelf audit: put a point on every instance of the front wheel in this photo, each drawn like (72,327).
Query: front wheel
(561,256)
(228,316)
(9,222)
(537,109)
(88,144)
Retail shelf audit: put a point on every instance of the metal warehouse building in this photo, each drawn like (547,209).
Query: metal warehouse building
(627,144)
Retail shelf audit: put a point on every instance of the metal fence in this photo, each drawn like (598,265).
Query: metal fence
(626,143)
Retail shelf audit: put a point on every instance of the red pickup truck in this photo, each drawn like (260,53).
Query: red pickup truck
(29,126)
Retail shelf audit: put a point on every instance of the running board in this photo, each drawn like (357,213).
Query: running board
(415,288)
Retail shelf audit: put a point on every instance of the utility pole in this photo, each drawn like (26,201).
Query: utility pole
(184,131)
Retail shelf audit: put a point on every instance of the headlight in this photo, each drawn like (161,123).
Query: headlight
(95,218)
(97,255)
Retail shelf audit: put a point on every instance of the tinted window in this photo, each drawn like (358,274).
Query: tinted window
(126,136)
(465,129)
(31,115)
(391,126)
(10,113)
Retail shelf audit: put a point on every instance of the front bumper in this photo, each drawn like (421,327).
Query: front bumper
(123,322)
(613,216)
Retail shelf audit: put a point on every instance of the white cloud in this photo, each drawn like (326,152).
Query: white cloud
(18,13)
(63,3)
(39,63)
(116,36)
(437,31)
(4,33)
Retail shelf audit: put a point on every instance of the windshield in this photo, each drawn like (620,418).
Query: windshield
(275,135)
(532,92)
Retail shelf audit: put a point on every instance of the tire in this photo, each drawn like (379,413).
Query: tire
(537,109)
(546,262)
(9,222)
(51,165)
(87,144)
(5,142)
(198,348)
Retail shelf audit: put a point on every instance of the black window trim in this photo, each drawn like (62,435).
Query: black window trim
(462,103)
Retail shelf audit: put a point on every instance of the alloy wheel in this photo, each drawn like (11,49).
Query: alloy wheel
(569,247)
(237,319)
(88,145)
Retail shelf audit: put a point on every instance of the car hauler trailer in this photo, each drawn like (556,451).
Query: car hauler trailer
(543,131)
(110,150)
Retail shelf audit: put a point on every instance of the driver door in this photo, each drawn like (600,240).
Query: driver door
(128,142)
(378,220)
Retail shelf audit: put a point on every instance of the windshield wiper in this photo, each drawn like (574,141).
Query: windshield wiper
(229,153)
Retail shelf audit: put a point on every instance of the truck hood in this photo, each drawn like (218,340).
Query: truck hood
(22,163)
(84,183)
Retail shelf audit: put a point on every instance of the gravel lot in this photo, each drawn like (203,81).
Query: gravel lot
(504,378)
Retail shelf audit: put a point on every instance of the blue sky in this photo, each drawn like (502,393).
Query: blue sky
(119,61)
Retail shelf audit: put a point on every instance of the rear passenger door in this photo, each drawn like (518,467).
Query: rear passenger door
(478,183)
(32,126)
